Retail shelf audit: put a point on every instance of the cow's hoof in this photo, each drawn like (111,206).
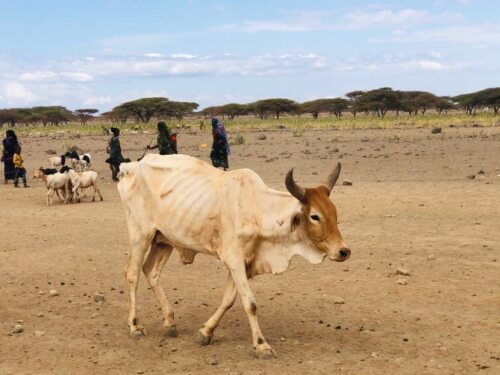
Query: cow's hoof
(204,340)
(265,353)
(138,333)
(170,331)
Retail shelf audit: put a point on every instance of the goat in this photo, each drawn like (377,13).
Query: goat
(82,180)
(49,171)
(54,183)
(57,161)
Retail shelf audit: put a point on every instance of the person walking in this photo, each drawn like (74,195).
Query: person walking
(166,142)
(19,167)
(115,153)
(220,145)
(9,148)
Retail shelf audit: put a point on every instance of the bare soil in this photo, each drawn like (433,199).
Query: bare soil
(410,206)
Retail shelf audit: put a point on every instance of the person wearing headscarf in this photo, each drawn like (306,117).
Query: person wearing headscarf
(220,145)
(115,153)
(166,142)
(10,144)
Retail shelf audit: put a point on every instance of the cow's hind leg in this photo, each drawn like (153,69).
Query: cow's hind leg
(156,260)
(139,244)
(206,332)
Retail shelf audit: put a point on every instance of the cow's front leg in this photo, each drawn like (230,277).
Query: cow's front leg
(206,332)
(262,348)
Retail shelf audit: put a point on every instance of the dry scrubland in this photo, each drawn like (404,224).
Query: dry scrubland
(411,206)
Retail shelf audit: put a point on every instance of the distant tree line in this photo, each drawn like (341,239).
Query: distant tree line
(376,102)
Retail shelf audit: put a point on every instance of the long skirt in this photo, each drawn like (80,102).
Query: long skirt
(219,157)
(9,171)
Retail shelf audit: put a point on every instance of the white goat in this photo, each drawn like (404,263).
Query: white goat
(82,180)
(54,183)
(57,161)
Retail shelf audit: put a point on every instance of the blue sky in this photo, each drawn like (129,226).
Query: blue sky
(100,53)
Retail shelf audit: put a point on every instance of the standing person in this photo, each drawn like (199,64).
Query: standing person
(220,146)
(115,153)
(20,170)
(166,142)
(9,148)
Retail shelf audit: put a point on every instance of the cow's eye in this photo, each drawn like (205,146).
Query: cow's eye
(315,217)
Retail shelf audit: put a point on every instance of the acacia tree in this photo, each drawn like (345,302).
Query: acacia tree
(233,110)
(171,109)
(273,106)
(53,115)
(444,104)
(143,109)
(84,115)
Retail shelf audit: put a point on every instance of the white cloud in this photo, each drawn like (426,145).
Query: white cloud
(386,17)
(182,56)
(76,76)
(15,92)
(51,76)
(153,54)
(476,35)
(97,100)
(38,76)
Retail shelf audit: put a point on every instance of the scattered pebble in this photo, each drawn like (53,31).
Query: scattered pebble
(338,300)
(374,355)
(346,183)
(402,272)
(53,292)
(436,130)
(471,176)
(431,257)
(261,137)
(211,361)
(18,328)
(282,339)
(39,333)
(402,281)
(98,297)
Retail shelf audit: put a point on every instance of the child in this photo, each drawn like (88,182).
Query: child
(20,170)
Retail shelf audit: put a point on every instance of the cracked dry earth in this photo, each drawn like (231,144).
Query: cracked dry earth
(410,206)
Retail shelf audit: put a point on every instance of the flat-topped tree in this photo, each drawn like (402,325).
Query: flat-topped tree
(273,106)
(85,114)
(143,109)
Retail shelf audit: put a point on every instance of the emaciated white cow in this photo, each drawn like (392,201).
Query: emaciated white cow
(180,202)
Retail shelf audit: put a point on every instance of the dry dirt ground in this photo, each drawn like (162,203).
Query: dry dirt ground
(411,205)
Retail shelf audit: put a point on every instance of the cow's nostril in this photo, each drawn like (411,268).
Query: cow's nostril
(344,253)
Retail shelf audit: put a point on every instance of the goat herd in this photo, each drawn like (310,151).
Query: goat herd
(69,181)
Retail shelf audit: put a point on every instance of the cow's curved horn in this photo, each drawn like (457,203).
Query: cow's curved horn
(297,191)
(332,178)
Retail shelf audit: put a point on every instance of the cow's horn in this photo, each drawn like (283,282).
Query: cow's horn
(297,191)
(332,178)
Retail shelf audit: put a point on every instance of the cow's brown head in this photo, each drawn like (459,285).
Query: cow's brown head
(319,216)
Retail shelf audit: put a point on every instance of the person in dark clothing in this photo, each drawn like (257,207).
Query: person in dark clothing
(220,146)
(20,170)
(115,153)
(9,148)
(166,142)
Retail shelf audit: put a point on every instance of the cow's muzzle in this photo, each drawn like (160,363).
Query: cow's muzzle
(343,254)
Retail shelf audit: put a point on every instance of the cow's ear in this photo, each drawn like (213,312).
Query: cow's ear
(295,221)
